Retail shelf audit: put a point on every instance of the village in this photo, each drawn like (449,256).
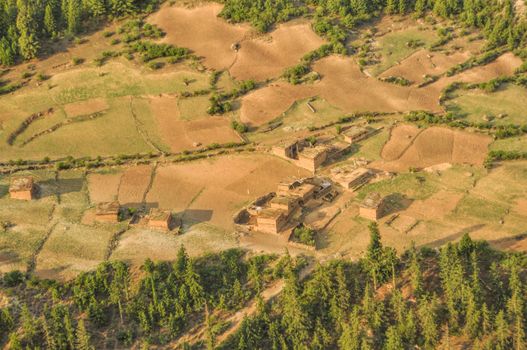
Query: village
(294,214)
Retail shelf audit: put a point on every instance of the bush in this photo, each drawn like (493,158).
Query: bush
(77,60)
(304,235)
(13,278)
(239,127)
(150,51)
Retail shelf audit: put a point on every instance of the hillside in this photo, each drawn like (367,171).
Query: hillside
(218,174)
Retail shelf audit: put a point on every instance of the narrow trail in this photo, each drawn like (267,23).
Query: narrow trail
(149,186)
(53,222)
(403,151)
(144,136)
(267,295)
(270,293)
(114,242)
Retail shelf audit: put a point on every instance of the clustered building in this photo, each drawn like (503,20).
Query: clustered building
(276,211)
(312,156)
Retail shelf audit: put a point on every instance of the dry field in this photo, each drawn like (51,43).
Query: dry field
(71,249)
(134,183)
(425,62)
(260,57)
(86,107)
(409,148)
(201,30)
(266,57)
(104,187)
(212,190)
(346,87)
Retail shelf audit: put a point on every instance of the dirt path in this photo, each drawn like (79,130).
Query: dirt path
(138,124)
(199,332)
(520,7)
(268,294)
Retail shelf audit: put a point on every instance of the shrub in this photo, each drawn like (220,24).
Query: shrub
(239,127)
(304,235)
(77,60)
(150,51)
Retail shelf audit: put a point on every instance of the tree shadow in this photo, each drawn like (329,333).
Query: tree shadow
(396,202)
(453,237)
(508,242)
(191,217)
(52,187)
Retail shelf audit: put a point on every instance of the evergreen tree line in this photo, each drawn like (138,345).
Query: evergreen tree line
(25,25)
(464,294)
(335,18)
(160,307)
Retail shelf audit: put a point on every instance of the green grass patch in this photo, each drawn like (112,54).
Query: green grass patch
(396,46)
(508,101)
(481,209)
(413,185)
(518,144)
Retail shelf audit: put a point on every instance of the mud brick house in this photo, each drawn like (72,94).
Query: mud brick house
(301,190)
(372,207)
(107,212)
(351,179)
(302,154)
(288,149)
(356,134)
(286,203)
(312,158)
(23,188)
(270,220)
(161,220)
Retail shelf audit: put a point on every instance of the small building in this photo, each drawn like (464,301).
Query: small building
(271,220)
(311,158)
(162,220)
(356,134)
(23,188)
(285,203)
(288,149)
(351,179)
(107,212)
(372,207)
(303,192)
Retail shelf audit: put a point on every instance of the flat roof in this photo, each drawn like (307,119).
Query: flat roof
(21,184)
(106,208)
(159,215)
(302,189)
(356,130)
(353,174)
(270,213)
(373,200)
(283,199)
(312,152)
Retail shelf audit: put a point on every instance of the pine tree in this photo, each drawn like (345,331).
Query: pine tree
(391,7)
(7,55)
(294,318)
(393,339)
(502,331)
(83,338)
(351,336)
(420,7)
(415,271)
(428,317)
(96,8)
(49,21)
(74,16)
(374,254)
(14,342)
